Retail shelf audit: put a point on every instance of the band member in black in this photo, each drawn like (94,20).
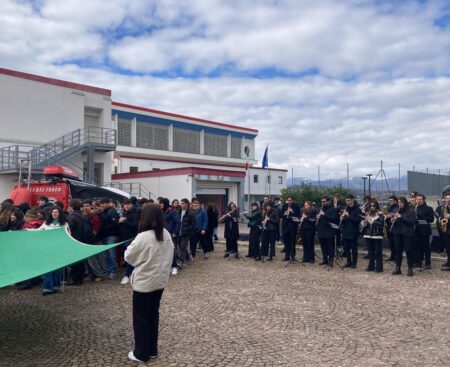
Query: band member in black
(307,229)
(339,206)
(364,210)
(254,223)
(391,210)
(231,229)
(439,213)
(350,220)
(373,230)
(444,225)
(326,225)
(289,214)
(270,224)
(403,223)
(425,216)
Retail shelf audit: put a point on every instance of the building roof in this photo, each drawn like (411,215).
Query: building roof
(56,82)
(178,172)
(184,117)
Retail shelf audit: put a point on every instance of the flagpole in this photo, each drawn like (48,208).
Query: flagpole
(248,177)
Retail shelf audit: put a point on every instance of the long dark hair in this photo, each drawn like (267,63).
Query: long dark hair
(61,217)
(405,203)
(152,219)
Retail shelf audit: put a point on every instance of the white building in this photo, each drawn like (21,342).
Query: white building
(49,121)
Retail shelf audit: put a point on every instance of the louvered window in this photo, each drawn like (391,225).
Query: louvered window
(215,145)
(152,136)
(124,131)
(236,147)
(186,141)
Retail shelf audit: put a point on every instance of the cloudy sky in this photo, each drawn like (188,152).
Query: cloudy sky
(326,82)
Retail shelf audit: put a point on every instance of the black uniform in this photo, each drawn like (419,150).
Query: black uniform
(391,209)
(404,234)
(446,237)
(425,216)
(308,231)
(254,223)
(269,233)
(350,233)
(326,230)
(290,226)
(373,233)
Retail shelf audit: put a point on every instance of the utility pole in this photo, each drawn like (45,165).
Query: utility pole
(318,173)
(370,175)
(348,177)
(364,180)
(399,178)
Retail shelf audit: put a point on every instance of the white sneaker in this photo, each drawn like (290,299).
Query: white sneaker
(174,271)
(125,280)
(133,358)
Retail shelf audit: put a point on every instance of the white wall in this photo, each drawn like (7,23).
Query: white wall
(6,184)
(262,187)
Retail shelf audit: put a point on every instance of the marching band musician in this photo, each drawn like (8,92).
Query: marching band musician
(326,226)
(254,223)
(290,212)
(403,228)
(364,208)
(339,206)
(439,214)
(425,216)
(231,231)
(373,230)
(445,229)
(307,231)
(270,224)
(391,210)
(350,219)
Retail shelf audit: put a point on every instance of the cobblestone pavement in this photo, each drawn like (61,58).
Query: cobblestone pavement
(241,313)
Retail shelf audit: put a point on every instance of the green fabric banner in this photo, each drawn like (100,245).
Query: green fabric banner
(28,254)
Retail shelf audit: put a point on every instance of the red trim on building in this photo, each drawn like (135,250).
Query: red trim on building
(119,104)
(177,172)
(194,162)
(56,82)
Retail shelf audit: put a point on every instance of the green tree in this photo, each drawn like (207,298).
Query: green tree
(307,192)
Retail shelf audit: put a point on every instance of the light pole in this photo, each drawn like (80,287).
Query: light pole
(369,175)
(364,180)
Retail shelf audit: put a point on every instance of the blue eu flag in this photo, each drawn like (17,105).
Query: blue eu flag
(265,161)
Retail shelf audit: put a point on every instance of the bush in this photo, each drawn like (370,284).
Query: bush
(307,192)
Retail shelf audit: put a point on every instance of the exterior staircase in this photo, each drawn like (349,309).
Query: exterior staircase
(133,188)
(88,140)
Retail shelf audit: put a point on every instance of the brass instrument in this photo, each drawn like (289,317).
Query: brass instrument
(443,221)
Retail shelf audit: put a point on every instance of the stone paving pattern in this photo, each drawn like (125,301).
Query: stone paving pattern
(240,313)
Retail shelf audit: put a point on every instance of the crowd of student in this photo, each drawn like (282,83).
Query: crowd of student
(106,221)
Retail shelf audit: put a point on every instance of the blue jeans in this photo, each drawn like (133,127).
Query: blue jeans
(52,281)
(110,255)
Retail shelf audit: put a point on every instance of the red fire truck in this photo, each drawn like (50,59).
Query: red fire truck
(59,183)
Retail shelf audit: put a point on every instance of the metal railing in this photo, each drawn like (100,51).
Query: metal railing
(58,149)
(133,188)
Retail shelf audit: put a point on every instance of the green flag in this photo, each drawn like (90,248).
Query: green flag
(28,254)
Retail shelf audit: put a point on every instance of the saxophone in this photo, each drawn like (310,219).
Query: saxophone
(443,222)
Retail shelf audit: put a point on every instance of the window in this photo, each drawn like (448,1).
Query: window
(280,180)
(133,169)
(216,145)
(124,132)
(186,141)
(268,179)
(152,136)
(236,147)
(255,178)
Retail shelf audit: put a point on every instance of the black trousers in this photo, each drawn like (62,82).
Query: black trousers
(406,244)
(253,242)
(424,249)
(231,244)
(308,244)
(390,236)
(375,254)
(268,240)
(146,323)
(327,247)
(447,248)
(77,272)
(195,239)
(289,235)
(351,248)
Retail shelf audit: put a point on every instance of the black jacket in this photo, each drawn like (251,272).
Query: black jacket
(187,226)
(272,221)
(130,227)
(376,228)
(404,226)
(254,218)
(350,224)
(425,213)
(392,209)
(213,221)
(231,228)
(309,223)
(76,225)
(109,219)
(288,218)
(324,228)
